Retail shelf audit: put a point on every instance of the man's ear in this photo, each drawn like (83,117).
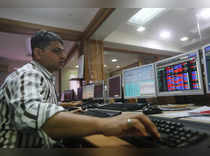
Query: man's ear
(37,53)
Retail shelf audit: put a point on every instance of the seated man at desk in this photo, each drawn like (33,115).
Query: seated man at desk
(30,114)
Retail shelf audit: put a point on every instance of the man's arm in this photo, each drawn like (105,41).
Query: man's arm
(65,124)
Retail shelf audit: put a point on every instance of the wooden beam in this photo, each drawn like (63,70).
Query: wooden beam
(97,21)
(133,52)
(13,26)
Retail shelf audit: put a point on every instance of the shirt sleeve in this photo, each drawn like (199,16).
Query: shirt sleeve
(25,93)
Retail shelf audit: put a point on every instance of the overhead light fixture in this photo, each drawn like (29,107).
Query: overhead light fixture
(205,13)
(141,29)
(118,66)
(105,65)
(165,34)
(145,15)
(77,66)
(184,39)
(114,60)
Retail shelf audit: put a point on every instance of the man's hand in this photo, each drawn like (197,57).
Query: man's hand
(65,124)
(129,124)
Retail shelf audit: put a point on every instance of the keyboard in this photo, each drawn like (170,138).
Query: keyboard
(175,134)
(100,113)
(71,108)
(124,106)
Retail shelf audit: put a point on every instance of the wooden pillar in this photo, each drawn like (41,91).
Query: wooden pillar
(94,60)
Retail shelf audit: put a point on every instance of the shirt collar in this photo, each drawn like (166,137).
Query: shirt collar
(43,69)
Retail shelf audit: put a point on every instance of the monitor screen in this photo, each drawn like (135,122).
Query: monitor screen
(206,58)
(179,75)
(114,87)
(87,91)
(99,90)
(139,82)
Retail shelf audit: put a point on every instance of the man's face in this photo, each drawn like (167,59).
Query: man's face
(53,57)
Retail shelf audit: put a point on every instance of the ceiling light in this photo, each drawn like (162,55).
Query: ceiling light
(165,34)
(105,65)
(114,60)
(184,39)
(77,66)
(205,13)
(117,66)
(145,15)
(141,29)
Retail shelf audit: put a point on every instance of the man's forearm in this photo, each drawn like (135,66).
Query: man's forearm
(66,124)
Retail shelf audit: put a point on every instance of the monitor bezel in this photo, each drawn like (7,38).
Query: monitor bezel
(120,97)
(205,67)
(136,97)
(83,91)
(181,93)
(99,82)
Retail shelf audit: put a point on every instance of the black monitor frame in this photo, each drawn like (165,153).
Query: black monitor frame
(185,92)
(120,97)
(205,68)
(141,96)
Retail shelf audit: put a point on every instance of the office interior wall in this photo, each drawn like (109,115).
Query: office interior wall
(66,74)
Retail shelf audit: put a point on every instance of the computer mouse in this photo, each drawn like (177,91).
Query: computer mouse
(152,109)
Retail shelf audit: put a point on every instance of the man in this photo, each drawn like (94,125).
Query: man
(29,111)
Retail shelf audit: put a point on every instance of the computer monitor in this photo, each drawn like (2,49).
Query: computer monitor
(79,93)
(69,95)
(87,91)
(206,60)
(114,87)
(99,90)
(139,82)
(179,75)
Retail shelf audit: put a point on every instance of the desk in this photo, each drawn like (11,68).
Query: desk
(103,141)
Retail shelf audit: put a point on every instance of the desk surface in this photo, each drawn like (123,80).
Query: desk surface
(104,141)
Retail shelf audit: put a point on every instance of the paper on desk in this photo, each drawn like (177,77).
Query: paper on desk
(191,112)
(201,110)
(175,107)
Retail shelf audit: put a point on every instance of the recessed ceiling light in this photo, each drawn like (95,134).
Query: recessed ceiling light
(184,38)
(114,60)
(141,29)
(77,66)
(145,15)
(165,34)
(118,66)
(105,65)
(205,13)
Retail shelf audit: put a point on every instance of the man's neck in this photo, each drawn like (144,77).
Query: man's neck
(43,66)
